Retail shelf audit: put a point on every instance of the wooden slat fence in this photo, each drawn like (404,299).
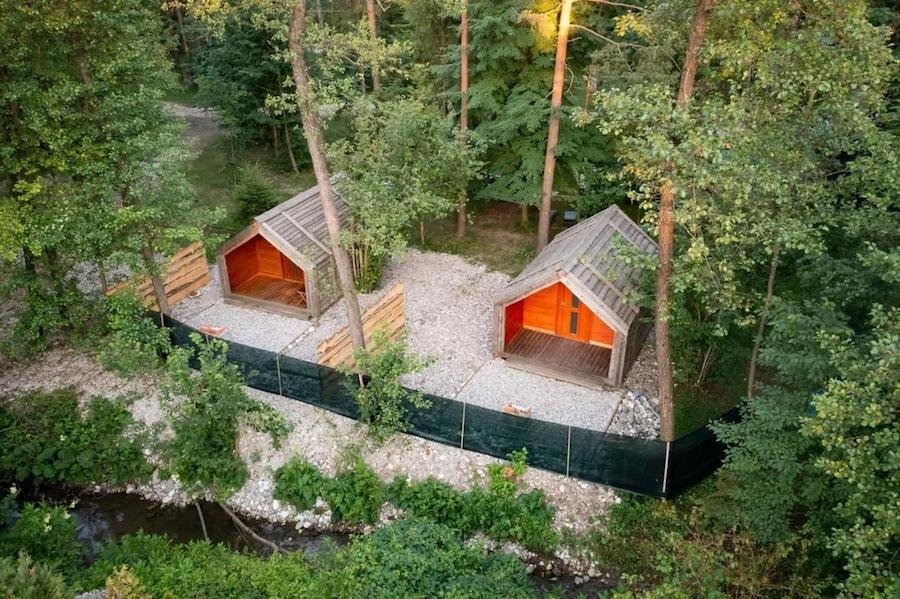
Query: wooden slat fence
(186,272)
(387,312)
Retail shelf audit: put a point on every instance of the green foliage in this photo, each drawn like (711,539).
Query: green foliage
(403,163)
(497,511)
(206,410)
(45,438)
(356,494)
(123,584)
(254,193)
(47,535)
(53,309)
(198,569)
(670,549)
(856,422)
(299,483)
(418,558)
(383,400)
(20,578)
(409,558)
(135,343)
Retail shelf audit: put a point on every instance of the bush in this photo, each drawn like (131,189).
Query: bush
(135,343)
(497,511)
(299,483)
(382,400)
(409,558)
(418,558)
(43,437)
(206,410)
(356,494)
(253,192)
(20,578)
(123,584)
(47,534)
(197,569)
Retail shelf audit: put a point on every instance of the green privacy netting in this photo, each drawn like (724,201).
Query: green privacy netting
(648,467)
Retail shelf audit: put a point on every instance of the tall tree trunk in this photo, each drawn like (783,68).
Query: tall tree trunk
(667,236)
(373,35)
(101,273)
(763,318)
(187,80)
(315,140)
(320,14)
(463,108)
(559,76)
(524,214)
(290,150)
(159,290)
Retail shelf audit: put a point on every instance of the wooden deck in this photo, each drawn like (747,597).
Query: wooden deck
(273,289)
(565,359)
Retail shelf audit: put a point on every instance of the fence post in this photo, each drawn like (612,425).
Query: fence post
(278,370)
(568,449)
(666,469)
(462,429)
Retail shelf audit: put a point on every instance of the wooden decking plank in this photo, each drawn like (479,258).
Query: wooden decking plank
(572,357)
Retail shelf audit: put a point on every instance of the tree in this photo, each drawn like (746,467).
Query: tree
(463,106)
(559,72)
(404,163)
(666,233)
(373,36)
(315,140)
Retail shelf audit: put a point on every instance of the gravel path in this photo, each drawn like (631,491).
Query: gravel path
(201,124)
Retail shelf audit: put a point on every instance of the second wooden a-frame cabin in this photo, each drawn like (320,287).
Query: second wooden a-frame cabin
(282,262)
(569,314)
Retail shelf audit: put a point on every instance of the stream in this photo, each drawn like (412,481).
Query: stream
(103,516)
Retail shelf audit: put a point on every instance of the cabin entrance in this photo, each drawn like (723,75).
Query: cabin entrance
(256,269)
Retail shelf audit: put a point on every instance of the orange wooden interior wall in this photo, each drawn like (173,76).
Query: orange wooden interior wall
(539,312)
(514,320)
(258,256)
(241,263)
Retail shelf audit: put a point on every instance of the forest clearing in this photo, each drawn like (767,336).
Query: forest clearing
(449,298)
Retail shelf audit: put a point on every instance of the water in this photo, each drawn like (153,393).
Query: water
(104,516)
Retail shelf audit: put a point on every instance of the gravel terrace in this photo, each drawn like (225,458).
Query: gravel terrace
(448,312)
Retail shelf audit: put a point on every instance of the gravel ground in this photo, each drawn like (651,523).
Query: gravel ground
(449,320)
(201,124)
(448,314)
(318,435)
(256,328)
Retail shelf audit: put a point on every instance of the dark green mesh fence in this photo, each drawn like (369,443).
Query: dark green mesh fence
(648,467)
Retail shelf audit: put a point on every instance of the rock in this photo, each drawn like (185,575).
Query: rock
(529,569)
(579,581)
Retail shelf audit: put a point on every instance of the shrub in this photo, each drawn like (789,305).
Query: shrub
(43,437)
(197,569)
(47,534)
(356,494)
(135,343)
(382,399)
(123,584)
(299,483)
(205,417)
(497,511)
(254,192)
(418,558)
(21,578)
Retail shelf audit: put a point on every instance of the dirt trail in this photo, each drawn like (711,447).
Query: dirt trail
(203,124)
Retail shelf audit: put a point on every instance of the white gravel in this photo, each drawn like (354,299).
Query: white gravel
(449,319)
(256,328)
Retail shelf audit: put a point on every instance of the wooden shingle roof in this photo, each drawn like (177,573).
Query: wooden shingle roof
(586,257)
(299,224)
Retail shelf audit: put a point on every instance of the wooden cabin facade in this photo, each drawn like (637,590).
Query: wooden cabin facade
(568,314)
(282,261)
